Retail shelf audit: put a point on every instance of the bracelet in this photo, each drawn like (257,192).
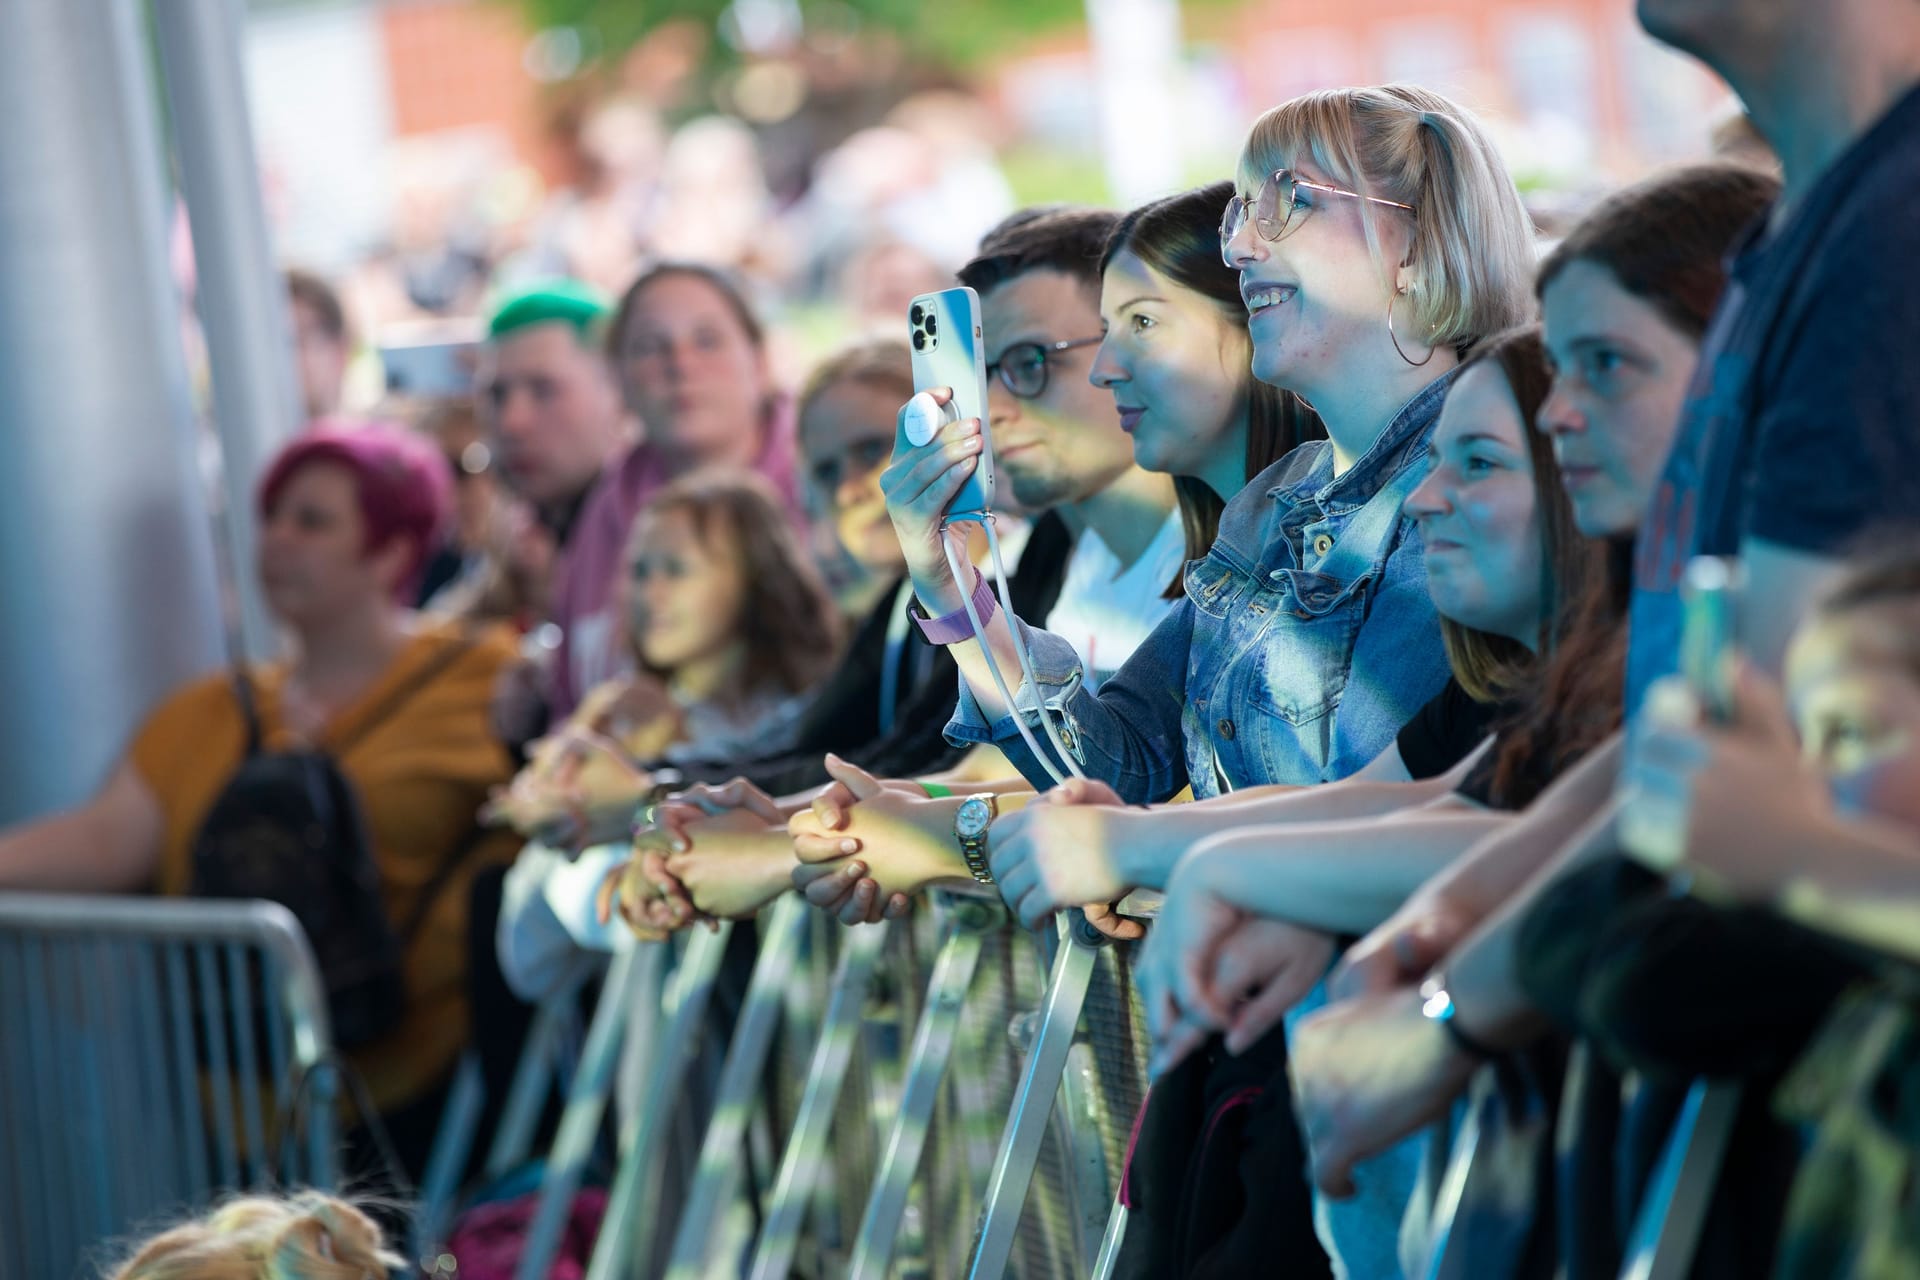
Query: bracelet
(935,791)
(952,628)
(1437,1006)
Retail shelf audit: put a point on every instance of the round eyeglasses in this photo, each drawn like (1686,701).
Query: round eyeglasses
(1273,206)
(1023,367)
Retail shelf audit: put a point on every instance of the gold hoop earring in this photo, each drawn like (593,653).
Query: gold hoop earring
(1395,339)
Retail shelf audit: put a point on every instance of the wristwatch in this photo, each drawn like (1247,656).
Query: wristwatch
(1436,1005)
(970,829)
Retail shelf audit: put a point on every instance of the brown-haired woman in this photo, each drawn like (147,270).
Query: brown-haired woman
(729,627)
(1626,299)
(1178,360)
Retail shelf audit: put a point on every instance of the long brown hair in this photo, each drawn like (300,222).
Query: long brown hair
(1489,667)
(1179,237)
(788,622)
(1664,240)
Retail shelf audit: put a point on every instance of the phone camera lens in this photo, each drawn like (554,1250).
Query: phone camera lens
(931,330)
(919,341)
(919,313)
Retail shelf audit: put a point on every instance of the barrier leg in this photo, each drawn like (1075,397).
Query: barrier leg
(1039,1083)
(734,1101)
(1110,1241)
(926,1067)
(807,1146)
(586,1105)
(1446,1254)
(554,1022)
(1673,1209)
(627,1232)
(449,1156)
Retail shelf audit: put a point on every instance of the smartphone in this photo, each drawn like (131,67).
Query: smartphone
(948,350)
(1710,609)
(431,369)
(1653,821)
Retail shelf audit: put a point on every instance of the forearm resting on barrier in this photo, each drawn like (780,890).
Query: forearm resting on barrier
(1286,873)
(111,844)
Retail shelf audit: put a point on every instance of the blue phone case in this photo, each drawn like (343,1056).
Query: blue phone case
(944,339)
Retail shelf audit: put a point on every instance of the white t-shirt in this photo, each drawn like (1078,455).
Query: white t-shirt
(1104,612)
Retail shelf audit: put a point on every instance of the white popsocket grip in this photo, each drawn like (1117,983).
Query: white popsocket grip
(924,416)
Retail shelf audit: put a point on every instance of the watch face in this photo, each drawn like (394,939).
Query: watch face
(975,816)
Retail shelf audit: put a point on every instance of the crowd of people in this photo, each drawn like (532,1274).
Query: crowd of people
(1353,531)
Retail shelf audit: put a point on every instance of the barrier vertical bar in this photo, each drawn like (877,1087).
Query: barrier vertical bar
(627,1232)
(926,1067)
(1673,1209)
(1039,1083)
(586,1104)
(826,1074)
(719,1168)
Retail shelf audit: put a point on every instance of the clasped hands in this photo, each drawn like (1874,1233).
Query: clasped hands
(860,850)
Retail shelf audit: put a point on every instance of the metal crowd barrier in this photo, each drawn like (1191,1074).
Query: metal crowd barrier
(149,1047)
(1673,1208)
(1673,1205)
(939,1108)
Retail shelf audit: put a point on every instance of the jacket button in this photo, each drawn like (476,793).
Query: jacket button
(1323,544)
(1226,730)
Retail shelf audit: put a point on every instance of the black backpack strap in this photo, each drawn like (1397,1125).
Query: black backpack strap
(249,711)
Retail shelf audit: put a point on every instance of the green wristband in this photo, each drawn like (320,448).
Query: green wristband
(935,791)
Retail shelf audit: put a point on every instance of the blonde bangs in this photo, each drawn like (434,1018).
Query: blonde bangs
(1472,246)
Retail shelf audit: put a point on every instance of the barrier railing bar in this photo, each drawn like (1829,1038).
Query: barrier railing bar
(735,1097)
(1040,1080)
(586,1105)
(1673,1209)
(626,1235)
(794,1186)
(926,1067)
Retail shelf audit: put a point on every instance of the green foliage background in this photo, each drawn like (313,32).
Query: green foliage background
(957,33)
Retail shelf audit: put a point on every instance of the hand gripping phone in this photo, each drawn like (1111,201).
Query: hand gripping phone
(1653,824)
(947,349)
(1710,609)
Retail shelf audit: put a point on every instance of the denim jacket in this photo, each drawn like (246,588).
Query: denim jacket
(1307,639)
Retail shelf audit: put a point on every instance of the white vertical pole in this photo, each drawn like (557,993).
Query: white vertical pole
(242,303)
(107,584)
(1136,56)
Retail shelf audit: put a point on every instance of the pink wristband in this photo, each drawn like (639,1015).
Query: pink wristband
(954,627)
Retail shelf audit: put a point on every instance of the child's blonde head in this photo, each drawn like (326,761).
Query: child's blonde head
(307,1235)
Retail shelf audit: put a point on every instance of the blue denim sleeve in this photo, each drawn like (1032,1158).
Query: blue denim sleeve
(1129,735)
(1398,661)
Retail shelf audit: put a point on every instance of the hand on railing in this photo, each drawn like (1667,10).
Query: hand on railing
(577,789)
(1209,966)
(1059,852)
(1401,950)
(868,848)
(1367,1073)
(708,853)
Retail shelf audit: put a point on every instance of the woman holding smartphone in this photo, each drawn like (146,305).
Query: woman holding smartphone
(1377,237)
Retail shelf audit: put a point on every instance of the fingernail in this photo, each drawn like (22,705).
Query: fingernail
(852,871)
(849,846)
(678,845)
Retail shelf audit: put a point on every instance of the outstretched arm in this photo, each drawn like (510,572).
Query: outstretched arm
(111,844)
